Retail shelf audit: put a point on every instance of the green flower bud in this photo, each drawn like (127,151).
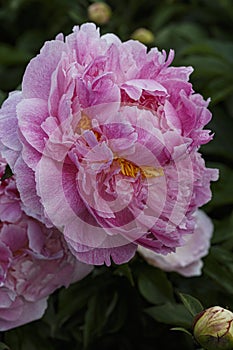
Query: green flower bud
(213,329)
(99,12)
(143,35)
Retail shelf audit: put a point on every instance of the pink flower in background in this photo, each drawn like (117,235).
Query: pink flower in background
(34,261)
(10,209)
(107,136)
(187,260)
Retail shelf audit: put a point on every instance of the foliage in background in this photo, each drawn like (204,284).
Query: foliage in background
(134,306)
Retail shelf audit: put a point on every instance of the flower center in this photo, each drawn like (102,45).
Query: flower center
(84,123)
(128,168)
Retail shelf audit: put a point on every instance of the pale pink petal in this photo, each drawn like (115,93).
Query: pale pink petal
(187,259)
(37,77)
(10,145)
(31,114)
(28,312)
(134,87)
(27,187)
(100,256)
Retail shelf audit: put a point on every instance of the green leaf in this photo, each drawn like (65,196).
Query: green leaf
(165,15)
(211,47)
(95,319)
(73,299)
(223,230)
(111,305)
(222,126)
(28,337)
(218,272)
(172,314)
(192,304)
(26,42)
(222,189)
(10,55)
(2,97)
(154,285)
(221,94)
(181,329)
(191,32)
(125,270)
(206,66)
(223,48)
(224,256)
(4,346)
(117,318)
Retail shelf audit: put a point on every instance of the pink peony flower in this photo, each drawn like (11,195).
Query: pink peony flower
(107,136)
(187,260)
(34,261)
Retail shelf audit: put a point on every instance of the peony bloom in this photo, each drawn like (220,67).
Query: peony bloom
(34,261)
(107,136)
(187,259)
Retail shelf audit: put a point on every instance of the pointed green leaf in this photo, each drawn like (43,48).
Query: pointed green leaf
(223,230)
(100,308)
(181,329)
(154,285)
(4,346)
(192,304)
(218,272)
(172,314)
(125,270)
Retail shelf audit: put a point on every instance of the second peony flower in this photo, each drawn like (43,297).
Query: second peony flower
(104,143)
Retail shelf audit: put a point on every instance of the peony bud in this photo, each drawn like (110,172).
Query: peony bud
(213,329)
(99,12)
(143,35)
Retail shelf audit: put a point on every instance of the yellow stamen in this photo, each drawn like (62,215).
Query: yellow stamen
(84,123)
(149,171)
(130,169)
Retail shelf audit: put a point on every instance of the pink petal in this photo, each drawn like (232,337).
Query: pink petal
(134,87)
(37,77)
(31,114)
(28,312)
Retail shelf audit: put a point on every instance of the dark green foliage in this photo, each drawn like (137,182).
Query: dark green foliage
(134,306)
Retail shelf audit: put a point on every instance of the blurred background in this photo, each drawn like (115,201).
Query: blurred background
(107,309)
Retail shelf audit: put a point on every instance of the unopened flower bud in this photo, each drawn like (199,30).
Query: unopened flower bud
(213,329)
(99,12)
(143,35)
